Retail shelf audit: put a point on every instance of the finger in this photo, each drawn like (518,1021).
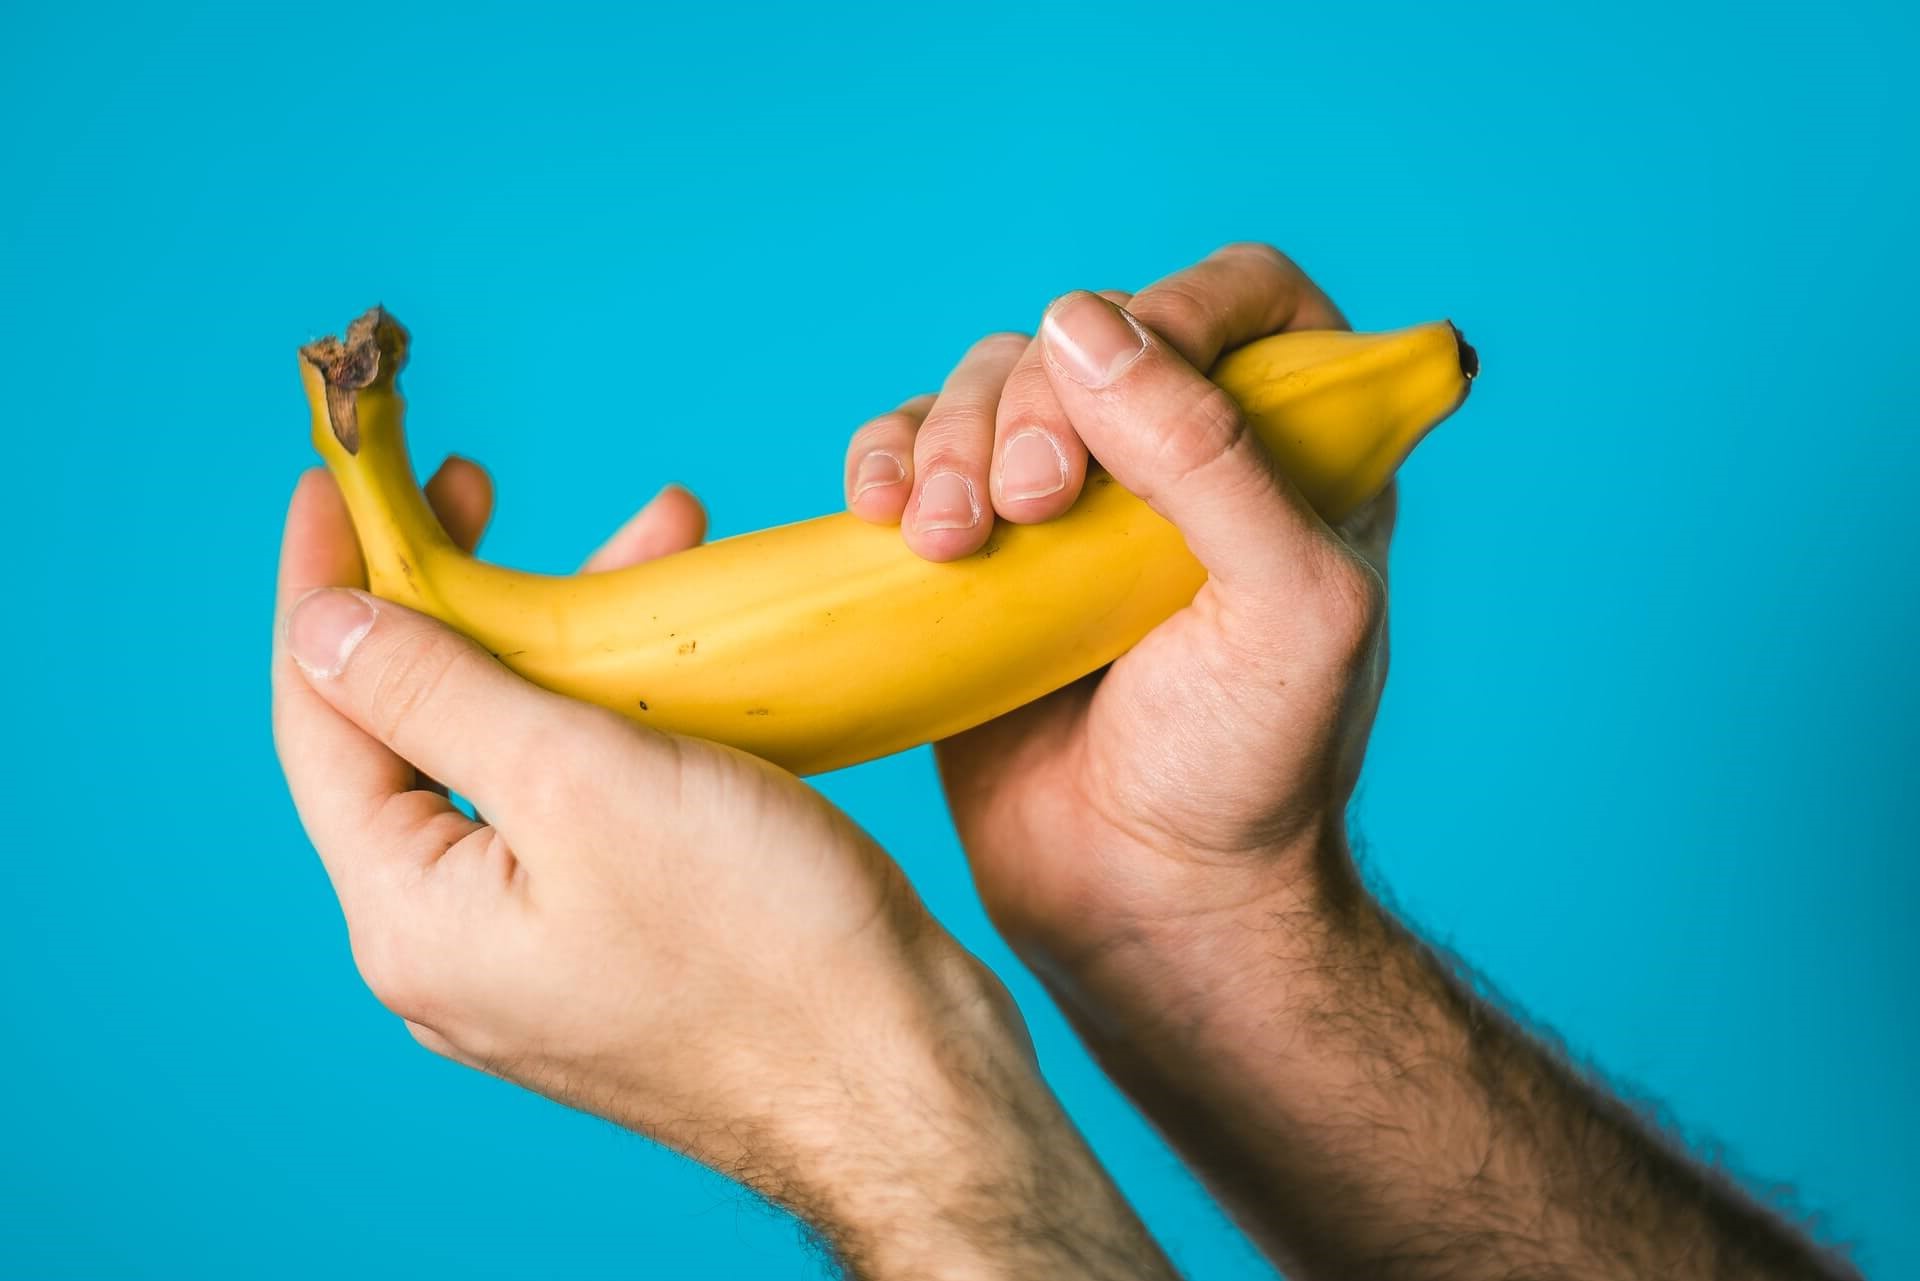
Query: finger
(948,516)
(879,474)
(1240,293)
(1178,441)
(461,495)
(431,696)
(339,776)
(1235,295)
(672,521)
(1039,463)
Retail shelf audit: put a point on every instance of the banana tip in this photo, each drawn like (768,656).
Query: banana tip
(1469,358)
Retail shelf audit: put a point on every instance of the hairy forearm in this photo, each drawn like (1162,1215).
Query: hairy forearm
(1015,1196)
(1364,1113)
(948,1159)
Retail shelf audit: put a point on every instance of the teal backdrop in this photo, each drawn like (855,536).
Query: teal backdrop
(1648,754)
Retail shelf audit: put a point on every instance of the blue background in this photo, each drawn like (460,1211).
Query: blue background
(1647,754)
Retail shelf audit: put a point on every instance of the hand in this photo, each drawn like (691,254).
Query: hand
(671,934)
(1164,841)
(1211,765)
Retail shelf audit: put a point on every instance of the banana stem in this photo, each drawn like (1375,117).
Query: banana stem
(359,428)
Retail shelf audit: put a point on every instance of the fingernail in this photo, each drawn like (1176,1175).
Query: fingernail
(876,469)
(1031,467)
(324,628)
(946,502)
(1089,339)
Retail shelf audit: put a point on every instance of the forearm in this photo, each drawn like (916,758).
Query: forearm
(1363,1113)
(1015,1196)
(947,1158)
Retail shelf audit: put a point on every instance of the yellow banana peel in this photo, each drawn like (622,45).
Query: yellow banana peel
(828,642)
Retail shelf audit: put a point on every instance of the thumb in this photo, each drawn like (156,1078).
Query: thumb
(437,700)
(1169,435)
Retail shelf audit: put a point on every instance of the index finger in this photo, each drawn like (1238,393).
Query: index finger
(1234,295)
(1238,293)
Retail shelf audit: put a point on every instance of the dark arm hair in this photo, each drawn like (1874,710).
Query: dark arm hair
(1365,1111)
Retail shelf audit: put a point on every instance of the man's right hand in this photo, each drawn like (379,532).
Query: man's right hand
(1208,769)
(1165,842)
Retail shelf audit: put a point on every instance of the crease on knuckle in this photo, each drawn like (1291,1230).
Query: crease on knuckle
(410,676)
(960,409)
(1284,286)
(1348,607)
(1207,431)
(886,430)
(1029,395)
(1029,378)
(1178,309)
(959,440)
(964,457)
(425,840)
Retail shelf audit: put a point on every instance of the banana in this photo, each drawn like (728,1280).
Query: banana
(826,643)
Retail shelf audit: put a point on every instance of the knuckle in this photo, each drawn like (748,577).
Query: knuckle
(409,676)
(1255,249)
(544,759)
(1347,607)
(1208,429)
(960,409)
(425,1037)
(390,964)
(1177,308)
(1008,342)
(888,428)
(1029,390)
(437,1039)
(959,427)
(950,458)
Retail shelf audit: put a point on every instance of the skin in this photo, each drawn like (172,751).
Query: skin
(694,945)
(1165,844)
(670,934)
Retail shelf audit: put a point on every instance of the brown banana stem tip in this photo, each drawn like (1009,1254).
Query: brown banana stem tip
(375,351)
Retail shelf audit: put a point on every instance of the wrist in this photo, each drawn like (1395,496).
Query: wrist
(951,1159)
(1213,946)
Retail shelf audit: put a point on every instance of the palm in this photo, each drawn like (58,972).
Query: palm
(1045,797)
(1056,801)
